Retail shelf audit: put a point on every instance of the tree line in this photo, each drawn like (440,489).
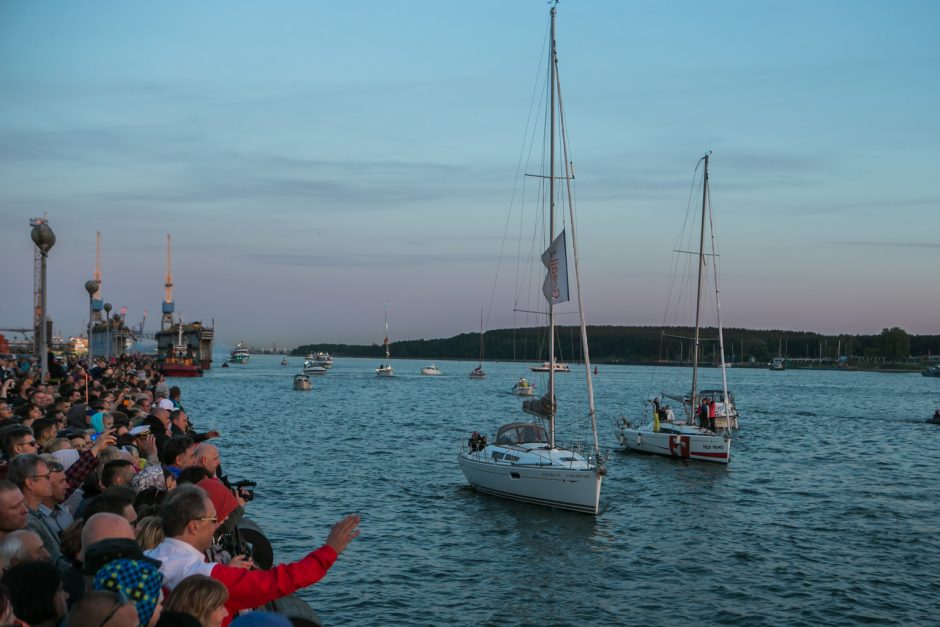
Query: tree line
(649,345)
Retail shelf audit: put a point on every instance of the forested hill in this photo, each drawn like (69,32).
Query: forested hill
(614,344)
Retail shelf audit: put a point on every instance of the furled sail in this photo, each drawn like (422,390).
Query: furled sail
(542,407)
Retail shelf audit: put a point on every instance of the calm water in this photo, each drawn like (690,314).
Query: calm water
(827,514)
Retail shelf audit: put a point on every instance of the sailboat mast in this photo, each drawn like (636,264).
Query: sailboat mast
(551,230)
(386,333)
(481,338)
(698,292)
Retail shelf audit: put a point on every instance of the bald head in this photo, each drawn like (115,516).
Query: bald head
(103,526)
(207,456)
(162,414)
(95,607)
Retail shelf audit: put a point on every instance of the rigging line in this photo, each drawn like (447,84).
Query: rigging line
(516,178)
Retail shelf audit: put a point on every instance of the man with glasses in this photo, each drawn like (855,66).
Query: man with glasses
(18,441)
(50,508)
(34,479)
(190,522)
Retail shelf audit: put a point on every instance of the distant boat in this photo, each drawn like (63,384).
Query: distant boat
(431,371)
(559,367)
(240,354)
(778,363)
(323,359)
(385,369)
(284,362)
(302,382)
(311,366)
(478,373)
(181,362)
(933,371)
(523,387)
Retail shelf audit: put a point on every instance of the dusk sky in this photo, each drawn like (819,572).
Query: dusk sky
(315,160)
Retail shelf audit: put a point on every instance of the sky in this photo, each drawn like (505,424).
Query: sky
(316,160)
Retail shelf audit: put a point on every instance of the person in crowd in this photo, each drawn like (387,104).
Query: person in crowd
(6,607)
(20,546)
(17,441)
(190,522)
(95,532)
(44,430)
(207,456)
(103,608)
(180,425)
(114,500)
(13,510)
(55,515)
(199,596)
(149,531)
(36,590)
(192,474)
(137,579)
(117,472)
(159,423)
(34,479)
(177,453)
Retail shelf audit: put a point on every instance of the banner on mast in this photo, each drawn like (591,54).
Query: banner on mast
(555,259)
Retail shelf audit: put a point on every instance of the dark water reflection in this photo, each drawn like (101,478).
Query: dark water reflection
(827,514)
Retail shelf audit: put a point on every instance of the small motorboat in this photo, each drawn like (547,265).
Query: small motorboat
(523,387)
(302,382)
(284,362)
(311,367)
(932,371)
(431,371)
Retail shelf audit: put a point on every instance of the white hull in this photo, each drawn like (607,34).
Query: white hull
(523,391)
(545,367)
(676,440)
(384,371)
(477,375)
(574,486)
(318,370)
(431,371)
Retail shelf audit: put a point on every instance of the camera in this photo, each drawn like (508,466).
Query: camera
(242,489)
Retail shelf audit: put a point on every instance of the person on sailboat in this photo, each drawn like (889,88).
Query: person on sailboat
(712,410)
(668,414)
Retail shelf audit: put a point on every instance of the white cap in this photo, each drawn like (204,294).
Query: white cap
(166,403)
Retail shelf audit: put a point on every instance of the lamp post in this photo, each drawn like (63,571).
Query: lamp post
(91,287)
(44,239)
(107,317)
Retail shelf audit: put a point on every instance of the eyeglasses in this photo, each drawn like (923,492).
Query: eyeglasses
(210,518)
(121,602)
(29,443)
(48,475)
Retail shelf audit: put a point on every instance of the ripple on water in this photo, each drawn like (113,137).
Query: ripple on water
(826,515)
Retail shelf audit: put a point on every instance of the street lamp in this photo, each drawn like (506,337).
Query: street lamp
(44,239)
(107,316)
(91,287)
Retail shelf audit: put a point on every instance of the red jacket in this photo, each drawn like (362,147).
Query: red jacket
(248,589)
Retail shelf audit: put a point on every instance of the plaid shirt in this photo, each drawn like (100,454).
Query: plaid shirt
(79,470)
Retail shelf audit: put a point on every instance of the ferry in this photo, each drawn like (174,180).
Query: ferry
(240,355)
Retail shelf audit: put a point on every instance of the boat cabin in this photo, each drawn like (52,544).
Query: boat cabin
(521,433)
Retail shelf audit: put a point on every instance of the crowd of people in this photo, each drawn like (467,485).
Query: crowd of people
(114,511)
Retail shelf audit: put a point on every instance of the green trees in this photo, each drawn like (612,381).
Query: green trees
(894,344)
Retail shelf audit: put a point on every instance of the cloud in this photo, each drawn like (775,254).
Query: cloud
(874,244)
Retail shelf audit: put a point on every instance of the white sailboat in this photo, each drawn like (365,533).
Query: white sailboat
(689,436)
(478,372)
(385,369)
(524,462)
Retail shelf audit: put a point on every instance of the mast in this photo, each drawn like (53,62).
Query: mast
(698,292)
(386,334)
(481,338)
(721,333)
(551,230)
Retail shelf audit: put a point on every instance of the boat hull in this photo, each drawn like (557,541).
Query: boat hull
(181,370)
(577,490)
(384,371)
(431,372)
(306,385)
(685,443)
(477,375)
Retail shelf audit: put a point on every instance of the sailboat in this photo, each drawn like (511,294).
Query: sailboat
(478,373)
(524,462)
(697,436)
(385,369)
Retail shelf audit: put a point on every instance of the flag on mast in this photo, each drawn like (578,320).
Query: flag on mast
(555,259)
